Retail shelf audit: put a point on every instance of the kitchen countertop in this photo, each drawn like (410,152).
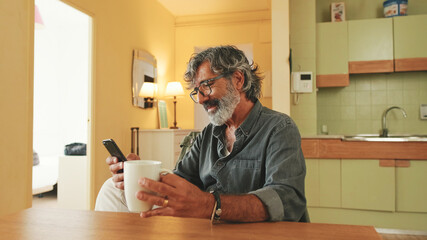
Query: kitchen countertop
(333,147)
(373,137)
(323,136)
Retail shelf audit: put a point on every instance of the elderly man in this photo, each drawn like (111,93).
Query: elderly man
(245,166)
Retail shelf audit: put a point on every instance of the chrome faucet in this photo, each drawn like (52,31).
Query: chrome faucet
(384,130)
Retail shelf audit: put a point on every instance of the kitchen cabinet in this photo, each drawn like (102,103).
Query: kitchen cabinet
(367,185)
(312,182)
(370,46)
(411,190)
(332,55)
(373,183)
(410,38)
(398,186)
(323,182)
(373,46)
(162,145)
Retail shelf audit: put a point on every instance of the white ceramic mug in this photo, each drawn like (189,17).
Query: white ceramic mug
(133,171)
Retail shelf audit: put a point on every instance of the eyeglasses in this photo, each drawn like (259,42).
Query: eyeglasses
(204,88)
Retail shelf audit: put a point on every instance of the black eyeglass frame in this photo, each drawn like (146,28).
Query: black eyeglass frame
(205,83)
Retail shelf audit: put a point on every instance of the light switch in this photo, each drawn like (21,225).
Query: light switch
(423,111)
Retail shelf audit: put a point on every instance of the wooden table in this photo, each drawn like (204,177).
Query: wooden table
(79,225)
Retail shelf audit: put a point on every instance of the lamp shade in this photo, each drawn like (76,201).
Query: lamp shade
(147,90)
(38,18)
(174,89)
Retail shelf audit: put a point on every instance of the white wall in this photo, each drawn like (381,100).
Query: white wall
(280,56)
(61,73)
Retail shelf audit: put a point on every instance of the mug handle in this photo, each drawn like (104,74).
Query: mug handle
(165,171)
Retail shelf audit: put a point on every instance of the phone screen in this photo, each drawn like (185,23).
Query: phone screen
(114,150)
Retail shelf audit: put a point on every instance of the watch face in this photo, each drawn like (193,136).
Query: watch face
(218,212)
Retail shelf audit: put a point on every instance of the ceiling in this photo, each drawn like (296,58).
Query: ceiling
(201,7)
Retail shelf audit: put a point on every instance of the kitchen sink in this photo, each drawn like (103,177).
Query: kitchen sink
(389,138)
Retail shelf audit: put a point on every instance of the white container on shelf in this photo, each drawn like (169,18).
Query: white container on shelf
(394,8)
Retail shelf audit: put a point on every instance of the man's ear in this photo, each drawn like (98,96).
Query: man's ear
(240,79)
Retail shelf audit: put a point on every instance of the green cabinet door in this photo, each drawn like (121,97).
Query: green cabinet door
(330,183)
(312,182)
(410,36)
(411,187)
(323,183)
(366,185)
(370,40)
(331,48)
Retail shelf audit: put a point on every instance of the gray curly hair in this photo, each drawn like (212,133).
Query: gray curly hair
(227,60)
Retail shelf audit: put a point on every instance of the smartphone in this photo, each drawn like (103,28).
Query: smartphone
(114,151)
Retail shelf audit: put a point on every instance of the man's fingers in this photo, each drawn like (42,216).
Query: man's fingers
(173,180)
(158,187)
(116,167)
(120,185)
(118,177)
(111,160)
(158,212)
(153,199)
(132,156)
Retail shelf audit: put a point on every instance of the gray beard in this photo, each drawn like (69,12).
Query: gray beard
(226,106)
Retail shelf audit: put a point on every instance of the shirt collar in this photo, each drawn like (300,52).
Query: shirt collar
(251,119)
(247,124)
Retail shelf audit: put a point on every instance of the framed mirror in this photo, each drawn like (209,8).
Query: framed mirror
(144,70)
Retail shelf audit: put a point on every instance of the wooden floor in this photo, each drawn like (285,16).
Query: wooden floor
(46,200)
(402,237)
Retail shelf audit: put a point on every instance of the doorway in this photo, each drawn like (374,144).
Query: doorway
(62,79)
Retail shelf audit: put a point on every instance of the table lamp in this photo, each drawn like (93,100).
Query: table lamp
(174,89)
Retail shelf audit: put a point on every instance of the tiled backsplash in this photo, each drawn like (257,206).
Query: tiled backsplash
(358,108)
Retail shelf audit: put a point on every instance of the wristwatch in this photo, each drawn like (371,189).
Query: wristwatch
(216,214)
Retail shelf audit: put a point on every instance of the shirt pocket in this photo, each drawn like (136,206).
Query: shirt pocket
(245,164)
(243,176)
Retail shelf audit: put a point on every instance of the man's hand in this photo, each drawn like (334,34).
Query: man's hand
(183,198)
(115,166)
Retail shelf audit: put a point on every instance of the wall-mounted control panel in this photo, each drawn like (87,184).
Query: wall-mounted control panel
(423,111)
(302,82)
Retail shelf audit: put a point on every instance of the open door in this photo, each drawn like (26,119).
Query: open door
(62,103)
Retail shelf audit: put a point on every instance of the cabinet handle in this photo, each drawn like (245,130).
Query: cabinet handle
(387,163)
(403,163)
(394,163)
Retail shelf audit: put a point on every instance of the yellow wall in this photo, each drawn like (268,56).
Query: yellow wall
(118,29)
(16,107)
(221,29)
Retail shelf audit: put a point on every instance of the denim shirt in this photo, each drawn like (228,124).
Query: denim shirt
(266,160)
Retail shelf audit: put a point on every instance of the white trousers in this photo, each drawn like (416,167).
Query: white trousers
(110,198)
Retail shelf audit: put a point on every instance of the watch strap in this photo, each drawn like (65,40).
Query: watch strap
(216,213)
